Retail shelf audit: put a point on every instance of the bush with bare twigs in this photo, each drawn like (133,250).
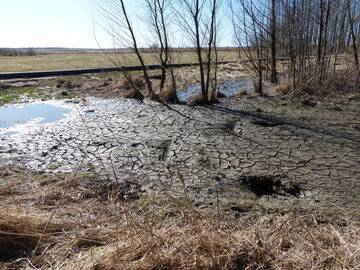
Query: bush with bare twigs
(340,84)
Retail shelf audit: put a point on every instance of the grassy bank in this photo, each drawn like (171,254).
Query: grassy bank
(79,222)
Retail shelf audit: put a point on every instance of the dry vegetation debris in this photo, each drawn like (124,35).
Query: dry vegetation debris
(79,222)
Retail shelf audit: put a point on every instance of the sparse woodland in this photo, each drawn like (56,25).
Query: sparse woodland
(312,36)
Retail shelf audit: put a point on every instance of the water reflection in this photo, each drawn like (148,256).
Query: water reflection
(16,117)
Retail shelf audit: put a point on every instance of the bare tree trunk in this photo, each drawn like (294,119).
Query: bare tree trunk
(353,37)
(273,42)
(320,43)
(137,52)
(259,87)
(210,46)
(199,50)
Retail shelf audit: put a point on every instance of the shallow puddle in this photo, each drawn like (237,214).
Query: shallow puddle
(227,88)
(18,117)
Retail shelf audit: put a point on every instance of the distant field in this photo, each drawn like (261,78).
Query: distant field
(58,61)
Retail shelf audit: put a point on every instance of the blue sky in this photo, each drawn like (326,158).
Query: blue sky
(61,23)
(49,23)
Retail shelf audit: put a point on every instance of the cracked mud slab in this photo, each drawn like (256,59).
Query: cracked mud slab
(205,154)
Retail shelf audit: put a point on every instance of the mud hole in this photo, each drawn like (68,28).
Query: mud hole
(270,186)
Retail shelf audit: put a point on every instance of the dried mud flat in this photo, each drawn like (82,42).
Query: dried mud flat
(271,151)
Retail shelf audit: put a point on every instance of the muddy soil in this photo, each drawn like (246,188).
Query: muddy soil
(311,145)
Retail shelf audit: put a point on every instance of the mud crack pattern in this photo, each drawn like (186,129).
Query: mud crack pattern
(211,150)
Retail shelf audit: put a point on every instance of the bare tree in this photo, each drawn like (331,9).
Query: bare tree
(198,19)
(159,12)
(251,30)
(123,34)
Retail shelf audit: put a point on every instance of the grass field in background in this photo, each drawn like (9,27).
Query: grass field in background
(58,61)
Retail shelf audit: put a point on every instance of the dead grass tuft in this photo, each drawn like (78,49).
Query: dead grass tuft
(199,100)
(132,88)
(270,242)
(168,94)
(339,84)
(257,88)
(136,82)
(134,94)
(284,87)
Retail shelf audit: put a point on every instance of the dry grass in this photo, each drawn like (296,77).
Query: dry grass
(341,83)
(95,228)
(133,88)
(168,94)
(256,85)
(284,87)
(58,61)
(199,100)
(136,82)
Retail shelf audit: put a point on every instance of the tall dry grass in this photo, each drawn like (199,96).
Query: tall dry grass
(95,228)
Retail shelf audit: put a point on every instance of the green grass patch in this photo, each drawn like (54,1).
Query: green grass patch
(14,95)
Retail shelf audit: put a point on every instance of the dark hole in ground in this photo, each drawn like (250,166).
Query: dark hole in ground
(13,247)
(270,185)
(261,185)
(264,123)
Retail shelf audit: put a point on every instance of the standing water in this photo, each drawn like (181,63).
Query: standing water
(227,88)
(18,117)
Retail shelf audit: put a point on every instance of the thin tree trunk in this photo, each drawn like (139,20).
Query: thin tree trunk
(137,52)
(353,37)
(199,50)
(273,43)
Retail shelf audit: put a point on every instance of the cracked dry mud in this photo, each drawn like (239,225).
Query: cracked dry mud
(211,149)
